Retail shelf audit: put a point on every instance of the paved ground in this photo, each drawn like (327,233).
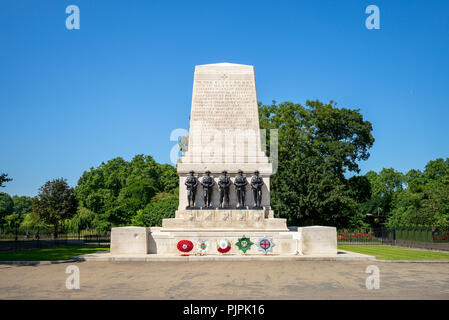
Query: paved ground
(226,280)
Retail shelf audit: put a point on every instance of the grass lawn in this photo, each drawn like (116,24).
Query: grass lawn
(47,254)
(396,253)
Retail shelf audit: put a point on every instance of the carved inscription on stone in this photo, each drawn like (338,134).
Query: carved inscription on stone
(224,104)
(224,120)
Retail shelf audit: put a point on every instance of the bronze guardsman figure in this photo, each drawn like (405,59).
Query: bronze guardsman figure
(207,183)
(240,183)
(191,184)
(224,182)
(256,185)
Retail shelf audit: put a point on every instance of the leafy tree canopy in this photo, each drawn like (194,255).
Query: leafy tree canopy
(385,186)
(22,204)
(318,144)
(54,203)
(116,190)
(4,178)
(84,219)
(425,200)
(6,206)
(163,206)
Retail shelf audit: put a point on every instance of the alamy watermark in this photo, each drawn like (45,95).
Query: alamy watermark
(73,20)
(373,20)
(73,280)
(373,281)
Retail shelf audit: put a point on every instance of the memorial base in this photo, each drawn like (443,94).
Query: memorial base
(164,240)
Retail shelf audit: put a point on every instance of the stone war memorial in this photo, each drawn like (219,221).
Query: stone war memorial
(224,182)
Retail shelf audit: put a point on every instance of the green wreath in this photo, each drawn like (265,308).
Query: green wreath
(244,244)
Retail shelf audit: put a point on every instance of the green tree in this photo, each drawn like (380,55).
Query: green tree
(13,223)
(22,205)
(6,206)
(437,169)
(162,206)
(4,178)
(32,224)
(54,203)
(168,178)
(318,145)
(385,186)
(83,220)
(360,188)
(425,200)
(118,189)
(435,203)
(13,215)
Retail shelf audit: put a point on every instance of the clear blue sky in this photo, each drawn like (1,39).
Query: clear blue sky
(118,86)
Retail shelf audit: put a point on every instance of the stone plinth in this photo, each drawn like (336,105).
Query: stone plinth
(314,240)
(225,220)
(129,240)
(163,242)
(318,240)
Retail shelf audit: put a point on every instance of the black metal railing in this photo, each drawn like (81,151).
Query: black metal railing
(12,242)
(436,238)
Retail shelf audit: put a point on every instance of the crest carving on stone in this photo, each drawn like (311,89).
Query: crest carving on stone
(226,216)
(208,216)
(190,216)
(241,216)
(258,216)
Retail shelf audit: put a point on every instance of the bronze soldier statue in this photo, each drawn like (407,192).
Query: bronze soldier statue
(191,184)
(207,183)
(224,182)
(240,183)
(256,185)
